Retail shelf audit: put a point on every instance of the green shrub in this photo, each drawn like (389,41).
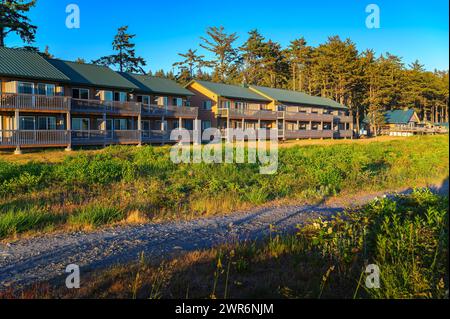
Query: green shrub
(16,222)
(96,215)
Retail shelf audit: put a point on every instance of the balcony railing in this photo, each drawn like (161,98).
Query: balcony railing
(308,117)
(344,118)
(30,138)
(118,136)
(115,107)
(247,114)
(344,133)
(34,102)
(256,134)
(182,111)
(308,134)
(12,101)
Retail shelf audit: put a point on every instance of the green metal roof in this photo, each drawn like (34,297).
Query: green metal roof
(92,75)
(151,84)
(232,91)
(27,64)
(398,116)
(287,96)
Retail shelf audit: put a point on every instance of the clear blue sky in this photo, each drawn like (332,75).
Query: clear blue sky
(413,29)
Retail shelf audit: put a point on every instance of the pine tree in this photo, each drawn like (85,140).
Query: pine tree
(225,63)
(187,67)
(251,52)
(298,55)
(125,59)
(14,20)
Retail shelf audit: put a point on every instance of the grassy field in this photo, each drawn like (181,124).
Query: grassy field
(406,237)
(47,191)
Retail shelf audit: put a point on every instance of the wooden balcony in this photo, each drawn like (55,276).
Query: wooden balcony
(344,118)
(30,102)
(263,134)
(343,134)
(109,107)
(12,138)
(307,117)
(308,134)
(97,137)
(182,111)
(233,113)
(153,110)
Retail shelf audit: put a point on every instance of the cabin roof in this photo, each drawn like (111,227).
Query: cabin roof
(27,64)
(151,84)
(231,91)
(287,96)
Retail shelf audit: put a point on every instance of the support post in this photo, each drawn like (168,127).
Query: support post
(227,131)
(139,128)
(1,128)
(69,131)
(332,129)
(197,133)
(18,151)
(164,130)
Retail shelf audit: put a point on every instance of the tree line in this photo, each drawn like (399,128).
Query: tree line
(369,84)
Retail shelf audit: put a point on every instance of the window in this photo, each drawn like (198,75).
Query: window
(27,123)
(120,96)
(239,105)
(82,94)
(188,124)
(303,126)
(207,105)
(120,124)
(206,125)
(80,124)
(145,125)
(162,100)
(25,88)
(108,96)
(144,99)
(177,101)
(226,104)
(46,89)
(46,123)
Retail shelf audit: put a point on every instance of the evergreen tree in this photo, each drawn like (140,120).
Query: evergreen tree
(251,52)
(14,20)
(298,55)
(225,62)
(187,67)
(125,59)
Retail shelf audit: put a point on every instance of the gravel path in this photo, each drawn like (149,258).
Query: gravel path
(45,257)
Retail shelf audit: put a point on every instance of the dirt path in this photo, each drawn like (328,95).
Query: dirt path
(45,257)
